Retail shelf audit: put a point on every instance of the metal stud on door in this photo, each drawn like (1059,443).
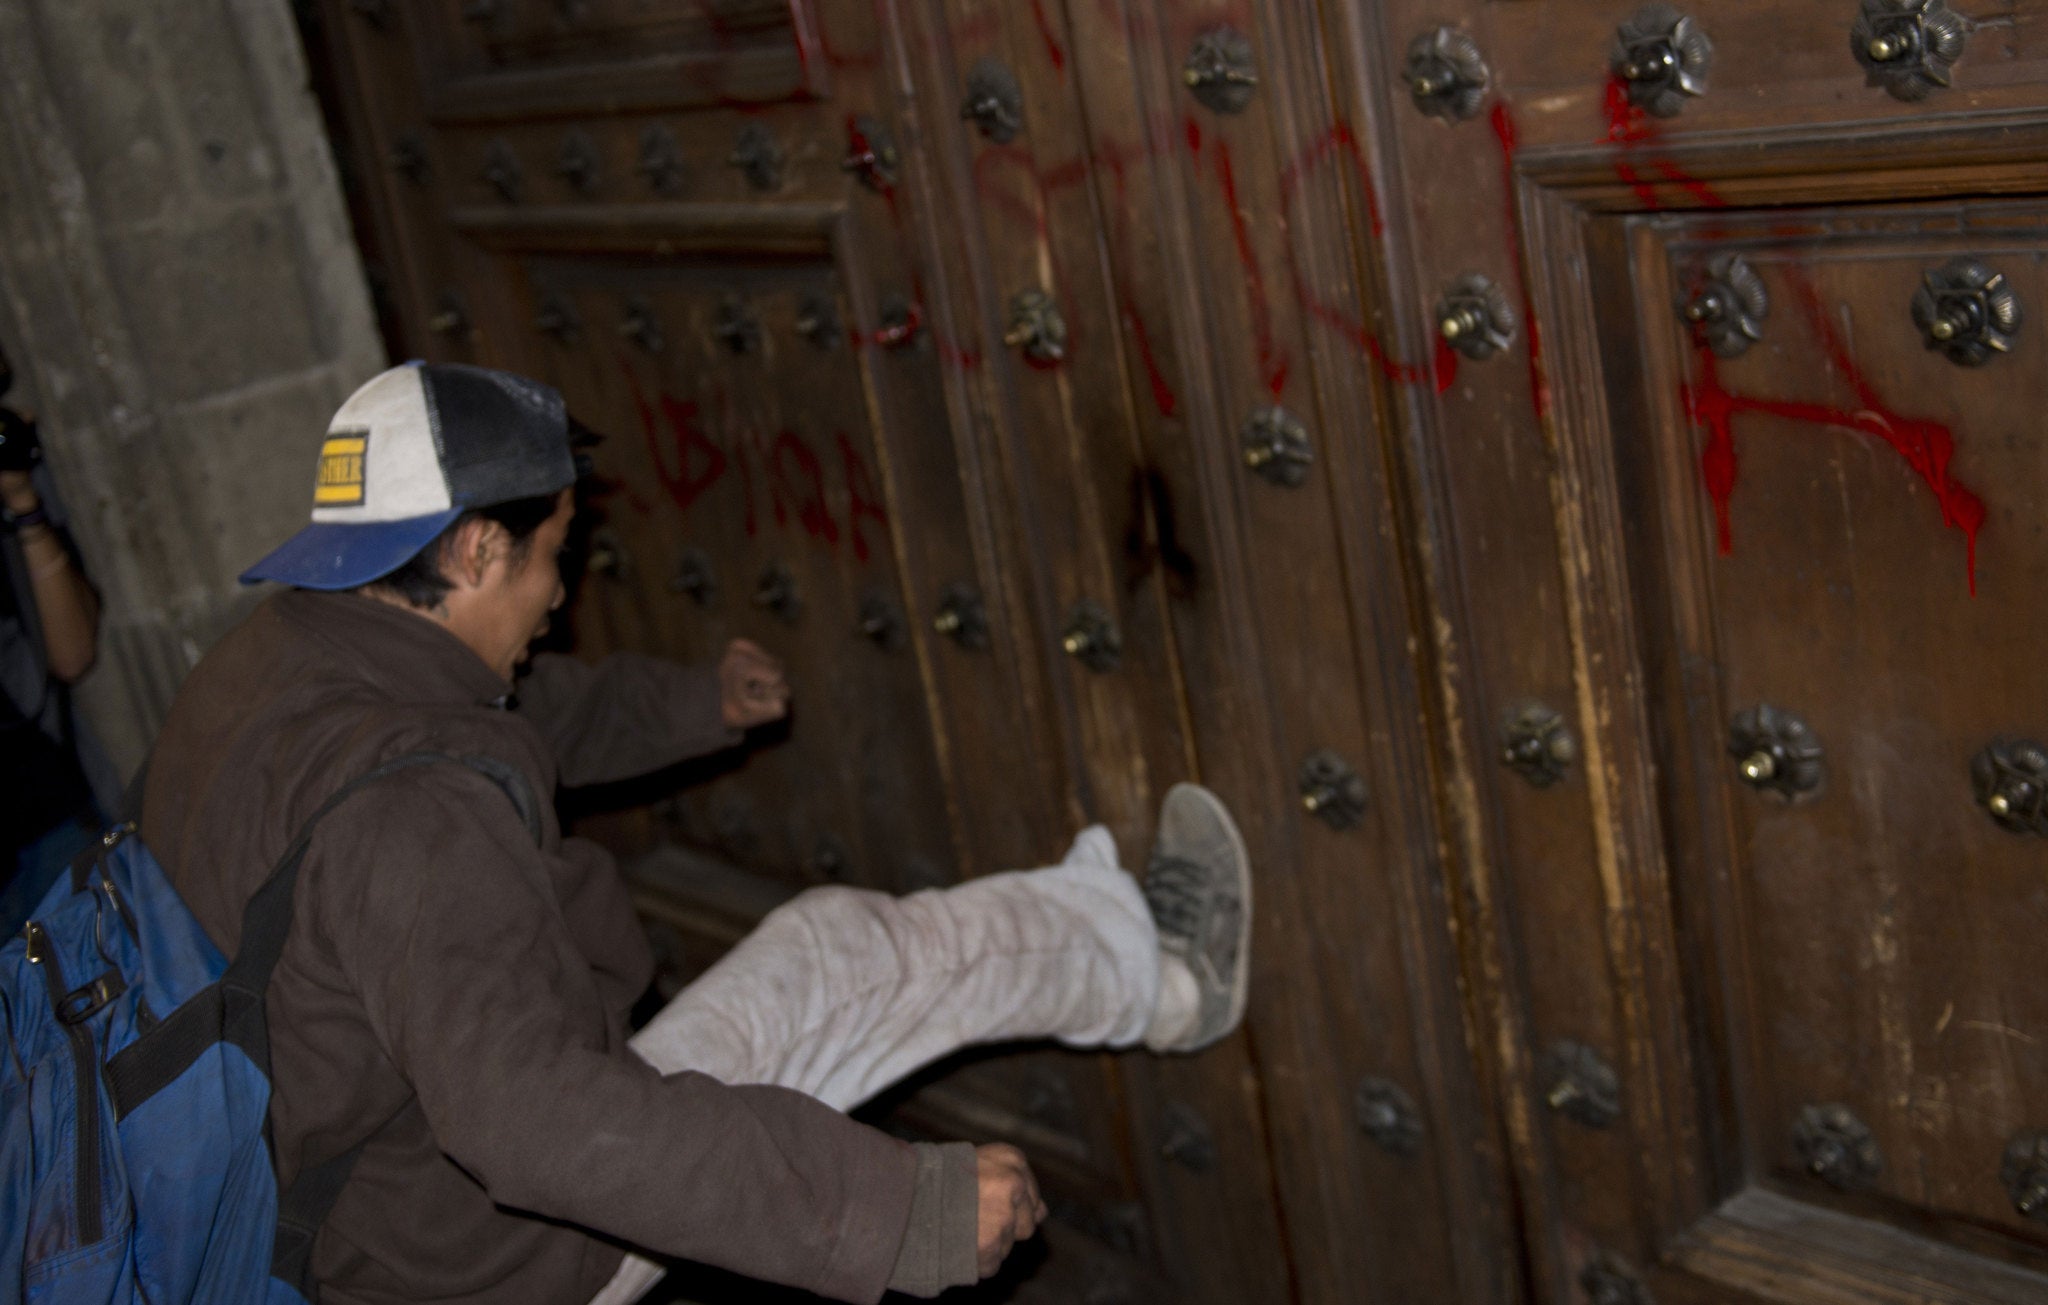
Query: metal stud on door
(776,592)
(2024,1172)
(1728,308)
(557,319)
(871,155)
(1276,446)
(1091,638)
(962,617)
(1837,1147)
(736,327)
(817,320)
(695,577)
(1539,745)
(1662,57)
(1967,311)
(1332,791)
(1221,72)
(880,623)
(1388,1116)
(1908,46)
(994,103)
(2010,781)
(502,171)
(1475,318)
(1037,328)
(1447,78)
(661,160)
(758,157)
(1579,1084)
(1775,752)
(576,163)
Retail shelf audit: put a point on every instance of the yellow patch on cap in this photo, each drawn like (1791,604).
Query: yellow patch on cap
(340,479)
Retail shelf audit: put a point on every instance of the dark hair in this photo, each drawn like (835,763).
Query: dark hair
(421,583)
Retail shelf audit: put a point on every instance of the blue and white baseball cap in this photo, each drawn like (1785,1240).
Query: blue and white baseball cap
(406,455)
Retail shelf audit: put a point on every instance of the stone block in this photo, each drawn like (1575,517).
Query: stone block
(246,467)
(213,309)
(108,80)
(226,128)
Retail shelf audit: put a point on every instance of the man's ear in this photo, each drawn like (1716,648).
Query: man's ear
(477,543)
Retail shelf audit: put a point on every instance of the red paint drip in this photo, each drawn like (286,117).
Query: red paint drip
(1271,364)
(1703,194)
(1163,397)
(1053,50)
(1645,193)
(797,474)
(1823,325)
(1444,366)
(1626,124)
(1338,139)
(861,498)
(836,58)
(1927,447)
(1194,134)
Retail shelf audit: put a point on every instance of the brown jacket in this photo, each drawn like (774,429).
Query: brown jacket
(457,995)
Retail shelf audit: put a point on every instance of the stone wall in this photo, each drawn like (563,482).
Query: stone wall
(183,301)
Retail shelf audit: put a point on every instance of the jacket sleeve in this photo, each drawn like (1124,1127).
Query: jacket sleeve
(625,716)
(447,929)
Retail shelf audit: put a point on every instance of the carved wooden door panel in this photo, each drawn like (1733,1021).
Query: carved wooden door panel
(695,220)
(953,351)
(1740,578)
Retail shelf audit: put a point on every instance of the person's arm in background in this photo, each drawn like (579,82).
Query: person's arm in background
(67,610)
(631,714)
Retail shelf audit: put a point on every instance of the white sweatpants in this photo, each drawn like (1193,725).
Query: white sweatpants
(841,992)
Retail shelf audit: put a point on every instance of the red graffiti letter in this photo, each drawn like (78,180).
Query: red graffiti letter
(790,460)
(861,499)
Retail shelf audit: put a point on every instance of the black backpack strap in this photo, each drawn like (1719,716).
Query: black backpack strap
(267,920)
(232,1010)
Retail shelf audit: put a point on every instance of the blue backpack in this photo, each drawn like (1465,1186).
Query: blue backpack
(135,1164)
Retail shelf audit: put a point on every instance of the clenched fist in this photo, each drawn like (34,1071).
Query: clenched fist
(1010,1205)
(751,689)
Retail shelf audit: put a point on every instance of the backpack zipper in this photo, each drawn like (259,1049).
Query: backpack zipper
(90,1226)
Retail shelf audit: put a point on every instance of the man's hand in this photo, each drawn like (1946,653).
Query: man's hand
(1010,1206)
(18,493)
(751,689)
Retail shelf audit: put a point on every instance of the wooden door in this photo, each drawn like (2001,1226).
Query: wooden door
(803,263)
(1760,534)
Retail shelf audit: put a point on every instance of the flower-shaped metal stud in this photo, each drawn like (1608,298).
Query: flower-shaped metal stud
(1967,311)
(1220,70)
(1539,745)
(2024,1171)
(1775,752)
(1475,318)
(994,103)
(1662,56)
(1446,75)
(1908,46)
(1037,328)
(1728,309)
(1277,447)
(1837,1147)
(2010,781)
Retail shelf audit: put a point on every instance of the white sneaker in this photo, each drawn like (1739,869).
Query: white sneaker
(1199,890)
